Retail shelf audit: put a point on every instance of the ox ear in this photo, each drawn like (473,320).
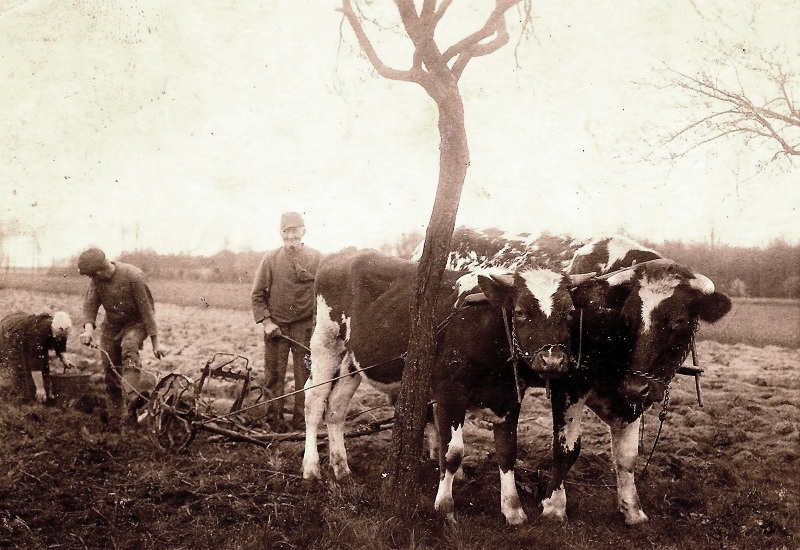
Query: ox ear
(713,307)
(499,289)
(590,292)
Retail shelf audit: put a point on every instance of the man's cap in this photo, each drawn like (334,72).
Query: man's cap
(91,261)
(291,219)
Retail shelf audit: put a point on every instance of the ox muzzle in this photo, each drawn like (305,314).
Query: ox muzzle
(640,388)
(550,362)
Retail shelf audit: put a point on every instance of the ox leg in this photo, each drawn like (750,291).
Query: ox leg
(505,441)
(338,405)
(625,451)
(327,354)
(316,402)
(450,425)
(567,414)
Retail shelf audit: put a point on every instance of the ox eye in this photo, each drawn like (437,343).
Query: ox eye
(519,314)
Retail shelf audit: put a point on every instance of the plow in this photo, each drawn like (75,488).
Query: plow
(178,408)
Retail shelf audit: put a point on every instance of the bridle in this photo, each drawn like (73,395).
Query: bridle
(519,356)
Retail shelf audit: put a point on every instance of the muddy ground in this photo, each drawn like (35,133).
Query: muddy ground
(726,475)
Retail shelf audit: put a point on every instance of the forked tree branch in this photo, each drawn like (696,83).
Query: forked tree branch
(421,27)
(415,74)
(734,112)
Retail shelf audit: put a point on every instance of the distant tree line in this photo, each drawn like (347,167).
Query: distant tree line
(770,272)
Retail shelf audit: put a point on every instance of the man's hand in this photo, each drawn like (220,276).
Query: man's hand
(87,336)
(271,329)
(158,351)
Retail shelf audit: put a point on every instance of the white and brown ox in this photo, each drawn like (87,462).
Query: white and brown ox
(638,326)
(637,333)
(362,330)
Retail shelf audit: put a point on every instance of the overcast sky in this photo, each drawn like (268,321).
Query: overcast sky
(190,125)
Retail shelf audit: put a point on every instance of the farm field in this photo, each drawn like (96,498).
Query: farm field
(756,321)
(726,475)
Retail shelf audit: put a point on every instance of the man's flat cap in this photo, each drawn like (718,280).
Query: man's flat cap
(91,261)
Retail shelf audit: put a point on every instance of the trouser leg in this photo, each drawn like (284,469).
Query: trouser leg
(27,387)
(112,372)
(300,332)
(131,343)
(276,357)
(122,366)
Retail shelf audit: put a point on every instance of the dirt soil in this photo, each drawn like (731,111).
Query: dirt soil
(726,475)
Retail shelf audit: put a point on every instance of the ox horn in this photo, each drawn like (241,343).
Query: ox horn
(578,278)
(620,277)
(702,283)
(625,274)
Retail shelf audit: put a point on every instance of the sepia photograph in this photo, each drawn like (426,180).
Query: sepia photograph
(399,274)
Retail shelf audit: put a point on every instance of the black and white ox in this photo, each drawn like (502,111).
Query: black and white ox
(637,328)
(362,329)
(637,332)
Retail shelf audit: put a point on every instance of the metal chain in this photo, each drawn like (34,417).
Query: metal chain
(662,416)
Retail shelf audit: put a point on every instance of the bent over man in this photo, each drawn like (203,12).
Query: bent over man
(123,292)
(25,343)
(283,303)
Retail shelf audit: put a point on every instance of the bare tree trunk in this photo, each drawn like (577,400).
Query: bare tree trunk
(401,493)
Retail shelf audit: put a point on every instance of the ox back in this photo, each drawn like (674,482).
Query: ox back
(362,329)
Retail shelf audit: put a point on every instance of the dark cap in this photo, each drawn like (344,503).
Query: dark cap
(291,219)
(91,261)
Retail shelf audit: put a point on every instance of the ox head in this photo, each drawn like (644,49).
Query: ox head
(661,302)
(541,313)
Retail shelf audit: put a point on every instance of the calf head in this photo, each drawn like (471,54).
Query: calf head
(541,313)
(663,303)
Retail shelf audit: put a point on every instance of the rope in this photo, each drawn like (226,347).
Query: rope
(267,401)
(662,416)
(120,368)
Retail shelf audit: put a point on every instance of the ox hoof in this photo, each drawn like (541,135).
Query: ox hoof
(344,479)
(516,517)
(551,515)
(637,518)
(311,472)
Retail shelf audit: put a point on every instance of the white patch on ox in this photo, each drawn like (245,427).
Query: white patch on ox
(652,293)
(584,250)
(572,424)
(625,450)
(555,507)
(510,504)
(618,248)
(325,343)
(327,349)
(543,284)
(456,446)
(468,283)
(444,494)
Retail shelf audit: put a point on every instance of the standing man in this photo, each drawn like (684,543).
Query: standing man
(283,304)
(25,343)
(123,292)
